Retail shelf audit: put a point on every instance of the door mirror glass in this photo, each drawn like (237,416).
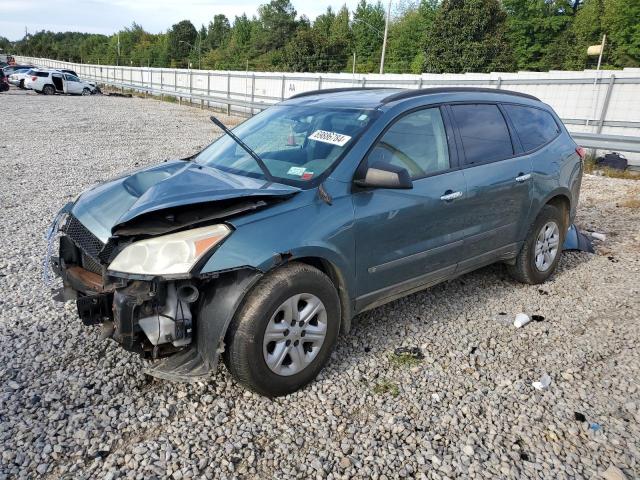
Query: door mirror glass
(384,175)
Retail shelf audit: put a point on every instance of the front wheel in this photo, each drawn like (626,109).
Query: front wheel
(542,248)
(86,91)
(285,330)
(21,85)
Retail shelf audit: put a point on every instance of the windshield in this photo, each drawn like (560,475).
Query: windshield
(296,143)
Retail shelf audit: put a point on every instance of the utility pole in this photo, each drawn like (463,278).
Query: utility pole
(384,41)
(604,39)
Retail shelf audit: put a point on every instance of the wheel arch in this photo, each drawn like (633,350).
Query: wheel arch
(338,280)
(560,198)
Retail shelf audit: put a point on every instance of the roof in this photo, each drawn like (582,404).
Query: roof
(374,97)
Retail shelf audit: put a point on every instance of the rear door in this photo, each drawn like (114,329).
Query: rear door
(499,186)
(408,238)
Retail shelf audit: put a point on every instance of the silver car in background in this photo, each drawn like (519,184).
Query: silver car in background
(18,77)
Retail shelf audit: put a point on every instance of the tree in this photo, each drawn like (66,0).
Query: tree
(408,36)
(535,31)
(468,36)
(218,31)
(622,25)
(278,21)
(180,40)
(368,28)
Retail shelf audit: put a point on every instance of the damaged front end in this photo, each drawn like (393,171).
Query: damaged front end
(173,314)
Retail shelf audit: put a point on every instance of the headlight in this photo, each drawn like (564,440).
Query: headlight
(171,254)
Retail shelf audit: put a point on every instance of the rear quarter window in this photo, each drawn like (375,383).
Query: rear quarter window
(534,126)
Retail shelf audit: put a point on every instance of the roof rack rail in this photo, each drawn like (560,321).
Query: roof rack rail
(428,91)
(332,90)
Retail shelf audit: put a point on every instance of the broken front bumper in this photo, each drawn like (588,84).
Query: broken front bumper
(152,317)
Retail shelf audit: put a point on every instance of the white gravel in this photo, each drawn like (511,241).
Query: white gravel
(72,406)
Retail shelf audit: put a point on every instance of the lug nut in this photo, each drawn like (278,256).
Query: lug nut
(288,343)
(295,344)
(286,332)
(303,333)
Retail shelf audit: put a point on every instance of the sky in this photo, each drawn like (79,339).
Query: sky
(109,16)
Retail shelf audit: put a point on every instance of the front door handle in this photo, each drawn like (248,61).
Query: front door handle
(449,195)
(523,178)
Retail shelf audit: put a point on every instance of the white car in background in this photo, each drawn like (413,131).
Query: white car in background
(18,77)
(50,82)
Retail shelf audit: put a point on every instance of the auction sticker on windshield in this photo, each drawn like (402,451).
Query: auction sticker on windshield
(333,138)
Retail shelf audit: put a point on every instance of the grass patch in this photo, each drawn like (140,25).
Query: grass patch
(590,166)
(385,386)
(404,360)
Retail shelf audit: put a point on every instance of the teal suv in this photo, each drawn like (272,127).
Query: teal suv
(262,247)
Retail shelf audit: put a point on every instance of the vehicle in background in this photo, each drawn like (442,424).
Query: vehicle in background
(9,69)
(50,82)
(4,82)
(18,77)
(265,244)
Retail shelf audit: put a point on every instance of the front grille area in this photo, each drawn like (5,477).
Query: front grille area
(90,264)
(87,242)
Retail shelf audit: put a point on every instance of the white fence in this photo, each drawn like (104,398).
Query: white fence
(602,102)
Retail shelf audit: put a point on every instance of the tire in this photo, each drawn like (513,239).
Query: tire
(86,91)
(48,90)
(264,315)
(532,266)
(21,85)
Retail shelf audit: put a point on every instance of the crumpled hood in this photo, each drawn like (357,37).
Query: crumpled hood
(172,184)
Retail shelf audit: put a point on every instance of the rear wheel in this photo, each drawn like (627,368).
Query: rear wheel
(542,248)
(49,90)
(21,84)
(285,330)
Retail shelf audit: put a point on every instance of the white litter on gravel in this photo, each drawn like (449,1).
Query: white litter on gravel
(72,406)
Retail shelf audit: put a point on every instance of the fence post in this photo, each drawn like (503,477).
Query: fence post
(364,81)
(499,83)
(228,93)
(284,82)
(605,104)
(253,90)
(319,82)
(208,89)
(161,85)
(175,84)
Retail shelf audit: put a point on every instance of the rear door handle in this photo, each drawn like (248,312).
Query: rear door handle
(449,195)
(523,178)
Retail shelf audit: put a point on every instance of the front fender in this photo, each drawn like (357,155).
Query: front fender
(222,298)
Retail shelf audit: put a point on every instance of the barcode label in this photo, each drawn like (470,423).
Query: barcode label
(330,137)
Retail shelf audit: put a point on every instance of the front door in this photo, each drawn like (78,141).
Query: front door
(498,183)
(405,238)
(73,84)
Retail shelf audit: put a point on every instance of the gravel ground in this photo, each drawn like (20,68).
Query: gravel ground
(72,406)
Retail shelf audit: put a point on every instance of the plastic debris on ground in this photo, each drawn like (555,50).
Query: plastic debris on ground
(576,240)
(543,383)
(521,320)
(598,236)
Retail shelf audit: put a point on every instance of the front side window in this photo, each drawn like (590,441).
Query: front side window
(534,127)
(296,143)
(484,133)
(71,78)
(417,142)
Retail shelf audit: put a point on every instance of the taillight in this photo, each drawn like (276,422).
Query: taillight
(582,153)
(33,79)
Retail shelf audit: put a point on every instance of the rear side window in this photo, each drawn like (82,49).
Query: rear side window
(534,127)
(417,142)
(484,133)
(42,74)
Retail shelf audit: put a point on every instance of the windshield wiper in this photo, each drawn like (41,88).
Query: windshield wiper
(246,147)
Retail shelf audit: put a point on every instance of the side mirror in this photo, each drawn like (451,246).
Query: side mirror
(384,175)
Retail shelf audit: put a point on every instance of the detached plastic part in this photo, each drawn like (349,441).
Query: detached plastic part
(521,320)
(543,384)
(576,240)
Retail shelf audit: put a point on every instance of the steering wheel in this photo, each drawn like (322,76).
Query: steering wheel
(411,165)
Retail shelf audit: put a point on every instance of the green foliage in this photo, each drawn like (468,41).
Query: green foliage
(468,36)
(424,35)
